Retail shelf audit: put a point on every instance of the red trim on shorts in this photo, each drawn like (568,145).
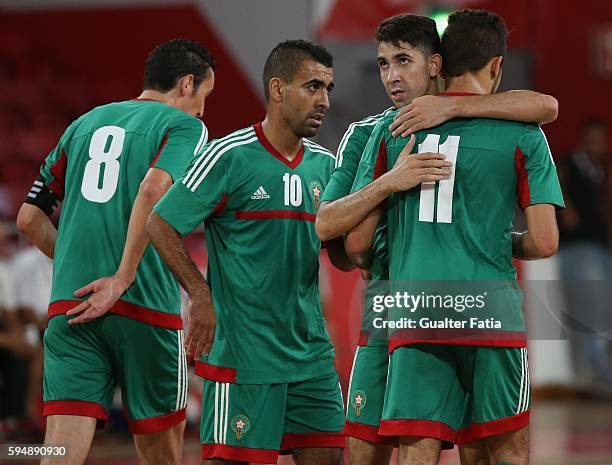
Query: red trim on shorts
(364,336)
(241,454)
(276,214)
(161,149)
(464,337)
(298,441)
(215,373)
(417,428)
(156,424)
(126,309)
(477,431)
(263,140)
(81,408)
(367,433)
(522,186)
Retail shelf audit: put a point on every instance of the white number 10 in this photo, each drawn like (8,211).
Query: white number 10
(445,191)
(103,160)
(293,190)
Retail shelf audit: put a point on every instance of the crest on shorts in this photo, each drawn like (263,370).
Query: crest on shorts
(240,425)
(358,401)
(316,190)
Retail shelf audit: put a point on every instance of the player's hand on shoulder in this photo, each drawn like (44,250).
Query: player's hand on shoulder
(201,325)
(104,293)
(411,170)
(422,113)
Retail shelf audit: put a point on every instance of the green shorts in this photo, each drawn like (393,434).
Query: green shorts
(366,394)
(256,422)
(84,363)
(458,394)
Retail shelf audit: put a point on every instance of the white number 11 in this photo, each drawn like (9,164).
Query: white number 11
(445,191)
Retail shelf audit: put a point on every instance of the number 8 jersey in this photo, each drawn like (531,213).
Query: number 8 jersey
(96,170)
(263,256)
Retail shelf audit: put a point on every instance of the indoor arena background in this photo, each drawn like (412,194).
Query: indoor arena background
(59,58)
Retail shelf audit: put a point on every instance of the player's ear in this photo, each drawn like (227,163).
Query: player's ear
(435,65)
(186,85)
(496,67)
(275,89)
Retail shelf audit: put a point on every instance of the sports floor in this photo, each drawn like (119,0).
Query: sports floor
(563,433)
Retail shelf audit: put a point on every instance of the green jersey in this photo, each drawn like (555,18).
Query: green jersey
(348,156)
(96,169)
(459,229)
(263,256)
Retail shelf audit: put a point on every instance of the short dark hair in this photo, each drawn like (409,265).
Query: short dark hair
(594,122)
(173,60)
(471,39)
(286,58)
(418,31)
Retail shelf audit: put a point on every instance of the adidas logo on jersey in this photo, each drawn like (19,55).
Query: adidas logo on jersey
(260,194)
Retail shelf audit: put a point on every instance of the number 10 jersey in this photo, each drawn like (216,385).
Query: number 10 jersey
(96,169)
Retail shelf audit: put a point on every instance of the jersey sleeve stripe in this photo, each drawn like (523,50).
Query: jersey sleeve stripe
(216,158)
(209,153)
(212,145)
(203,138)
(369,121)
(313,147)
(547,146)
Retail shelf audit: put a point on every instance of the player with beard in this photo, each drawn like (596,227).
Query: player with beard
(269,380)
(409,61)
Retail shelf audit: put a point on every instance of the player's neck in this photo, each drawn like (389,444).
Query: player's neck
(281,137)
(467,83)
(154,95)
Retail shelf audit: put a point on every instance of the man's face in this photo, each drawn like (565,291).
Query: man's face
(193,103)
(404,71)
(306,98)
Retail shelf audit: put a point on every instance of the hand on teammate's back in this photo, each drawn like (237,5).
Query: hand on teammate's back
(200,326)
(422,113)
(411,170)
(105,292)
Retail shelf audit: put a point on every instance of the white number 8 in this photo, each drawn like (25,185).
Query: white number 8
(103,158)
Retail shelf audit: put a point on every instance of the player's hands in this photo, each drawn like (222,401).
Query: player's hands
(200,326)
(105,292)
(411,170)
(422,113)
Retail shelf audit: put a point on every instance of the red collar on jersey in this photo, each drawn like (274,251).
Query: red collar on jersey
(275,153)
(456,94)
(145,100)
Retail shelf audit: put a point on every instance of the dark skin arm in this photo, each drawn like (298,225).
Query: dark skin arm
(201,313)
(359,240)
(337,254)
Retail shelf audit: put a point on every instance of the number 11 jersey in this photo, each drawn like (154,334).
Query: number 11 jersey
(459,229)
(96,170)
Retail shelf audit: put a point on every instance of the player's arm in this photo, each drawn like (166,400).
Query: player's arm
(337,254)
(171,248)
(518,105)
(539,194)
(541,239)
(360,239)
(36,225)
(106,291)
(409,171)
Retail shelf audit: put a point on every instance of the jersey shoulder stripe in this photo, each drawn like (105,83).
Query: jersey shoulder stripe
(209,152)
(214,156)
(314,147)
(368,121)
(203,139)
